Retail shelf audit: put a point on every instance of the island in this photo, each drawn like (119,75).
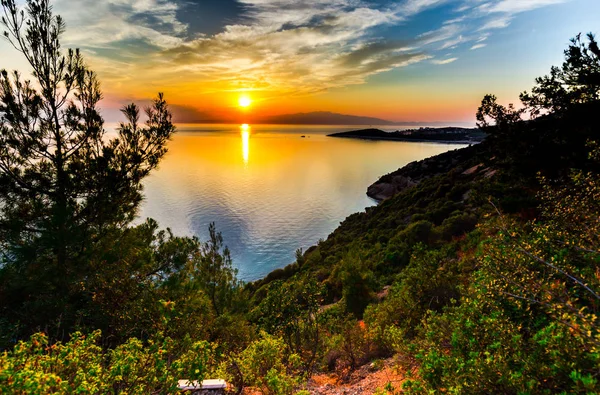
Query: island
(443,135)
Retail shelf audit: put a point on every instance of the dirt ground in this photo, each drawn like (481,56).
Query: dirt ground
(365,380)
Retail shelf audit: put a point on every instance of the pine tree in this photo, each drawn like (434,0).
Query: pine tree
(64,184)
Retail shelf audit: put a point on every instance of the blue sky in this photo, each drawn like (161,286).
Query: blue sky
(401,60)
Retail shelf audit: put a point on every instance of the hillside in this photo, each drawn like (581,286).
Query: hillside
(401,267)
(412,174)
(439,186)
(504,168)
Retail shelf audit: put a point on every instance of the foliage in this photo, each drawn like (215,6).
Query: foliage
(264,364)
(357,283)
(528,323)
(64,185)
(81,366)
(350,345)
(553,265)
(481,346)
(218,279)
(290,311)
(562,105)
(483,304)
(491,111)
(429,283)
(70,259)
(576,82)
(141,268)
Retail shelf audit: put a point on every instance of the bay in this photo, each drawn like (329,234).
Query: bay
(269,189)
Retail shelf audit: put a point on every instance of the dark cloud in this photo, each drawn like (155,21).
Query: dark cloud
(209,16)
(147,18)
(384,63)
(372,51)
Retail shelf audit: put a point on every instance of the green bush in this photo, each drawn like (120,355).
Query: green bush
(429,282)
(350,346)
(266,365)
(289,310)
(357,281)
(81,366)
(528,323)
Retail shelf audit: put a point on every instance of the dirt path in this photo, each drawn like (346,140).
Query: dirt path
(366,380)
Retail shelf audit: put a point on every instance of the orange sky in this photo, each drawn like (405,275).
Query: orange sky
(406,60)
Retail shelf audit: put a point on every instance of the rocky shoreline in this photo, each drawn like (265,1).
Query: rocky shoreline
(413,173)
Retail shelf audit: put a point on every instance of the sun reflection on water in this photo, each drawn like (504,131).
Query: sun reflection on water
(295,191)
(245,128)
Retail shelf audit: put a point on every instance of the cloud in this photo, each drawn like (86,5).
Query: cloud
(281,47)
(444,61)
(455,20)
(300,47)
(448,32)
(496,23)
(99,24)
(516,6)
(412,7)
(478,46)
(288,46)
(483,37)
(507,9)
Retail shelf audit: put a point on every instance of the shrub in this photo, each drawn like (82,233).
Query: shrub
(528,322)
(351,346)
(81,366)
(264,365)
(428,283)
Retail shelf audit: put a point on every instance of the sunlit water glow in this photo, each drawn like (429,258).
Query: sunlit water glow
(245,142)
(269,189)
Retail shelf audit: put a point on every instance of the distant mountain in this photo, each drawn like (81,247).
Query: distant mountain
(324,118)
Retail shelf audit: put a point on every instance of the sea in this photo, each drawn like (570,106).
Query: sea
(269,189)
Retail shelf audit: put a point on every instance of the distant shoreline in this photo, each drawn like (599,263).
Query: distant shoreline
(408,140)
(445,135)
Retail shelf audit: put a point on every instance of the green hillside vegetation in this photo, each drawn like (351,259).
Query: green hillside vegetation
(483,277)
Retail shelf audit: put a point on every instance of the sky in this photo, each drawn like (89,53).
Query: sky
(407,60)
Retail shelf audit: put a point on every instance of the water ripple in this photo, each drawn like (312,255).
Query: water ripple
(271,194)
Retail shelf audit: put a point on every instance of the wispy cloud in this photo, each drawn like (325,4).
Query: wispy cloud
(503,11)
(99,24)
(277,46)
(496,23)
(412,7)
(448,32)
(444,61)
(289,46)
(516,6)
(306,52)
(483,37)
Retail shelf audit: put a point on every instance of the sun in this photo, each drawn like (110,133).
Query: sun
(244,101)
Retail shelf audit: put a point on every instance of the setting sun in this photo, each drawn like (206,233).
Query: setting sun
(244,101)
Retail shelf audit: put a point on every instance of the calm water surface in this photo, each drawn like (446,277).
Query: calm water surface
(269,190)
